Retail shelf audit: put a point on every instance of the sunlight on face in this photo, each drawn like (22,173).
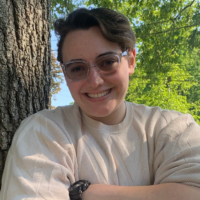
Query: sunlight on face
(99,96)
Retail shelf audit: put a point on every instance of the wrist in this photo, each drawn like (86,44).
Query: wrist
(101,191)
(77,188)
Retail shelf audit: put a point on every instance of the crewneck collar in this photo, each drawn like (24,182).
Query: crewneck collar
(110,128)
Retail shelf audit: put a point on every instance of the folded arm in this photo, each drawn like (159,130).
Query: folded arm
(172,191)
(176,168)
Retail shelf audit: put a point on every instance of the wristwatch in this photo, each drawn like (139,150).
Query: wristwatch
(76,189)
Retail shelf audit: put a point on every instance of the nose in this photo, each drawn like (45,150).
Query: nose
(94,79)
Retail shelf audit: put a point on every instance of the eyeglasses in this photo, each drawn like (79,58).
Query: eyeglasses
(106,64)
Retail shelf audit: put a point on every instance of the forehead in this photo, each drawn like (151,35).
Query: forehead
(86,44)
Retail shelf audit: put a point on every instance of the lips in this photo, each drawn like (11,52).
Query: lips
(98,94)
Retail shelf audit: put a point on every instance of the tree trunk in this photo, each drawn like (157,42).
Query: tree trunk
(25,65)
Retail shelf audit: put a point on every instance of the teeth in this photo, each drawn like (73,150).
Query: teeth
(98,95)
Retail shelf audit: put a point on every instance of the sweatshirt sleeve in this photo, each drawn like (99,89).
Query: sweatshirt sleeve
(177,152)
(40,163)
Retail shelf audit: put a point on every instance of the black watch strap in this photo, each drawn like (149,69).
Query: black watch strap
(75,197)
(77,188)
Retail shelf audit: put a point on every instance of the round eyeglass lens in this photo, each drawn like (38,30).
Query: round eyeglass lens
(108,64)
(76,71)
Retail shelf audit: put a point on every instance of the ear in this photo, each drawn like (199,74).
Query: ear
(132,54)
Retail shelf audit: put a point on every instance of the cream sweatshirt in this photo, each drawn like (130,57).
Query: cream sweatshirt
(53,149)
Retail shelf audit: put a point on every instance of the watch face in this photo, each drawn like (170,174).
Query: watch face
(78,184)
(79,187)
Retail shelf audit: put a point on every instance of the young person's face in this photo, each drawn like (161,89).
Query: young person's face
(88,45)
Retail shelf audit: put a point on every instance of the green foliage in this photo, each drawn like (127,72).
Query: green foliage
(61,8)
(167,72)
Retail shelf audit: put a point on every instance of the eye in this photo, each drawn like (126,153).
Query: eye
(109,62)
(77,69)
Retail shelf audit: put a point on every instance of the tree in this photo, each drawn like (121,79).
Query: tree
(25,75)
(57,77)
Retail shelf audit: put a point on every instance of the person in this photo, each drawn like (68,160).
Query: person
(102,147)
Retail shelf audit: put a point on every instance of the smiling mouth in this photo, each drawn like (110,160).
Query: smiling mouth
(98,95)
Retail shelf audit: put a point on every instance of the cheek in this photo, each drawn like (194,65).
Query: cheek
(71,86)
(123,77)
(74,88)
(124,82)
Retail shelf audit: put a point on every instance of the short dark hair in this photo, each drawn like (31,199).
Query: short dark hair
(114,26)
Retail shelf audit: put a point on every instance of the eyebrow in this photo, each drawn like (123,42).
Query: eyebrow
(107,53)
(75,60)
(100,55)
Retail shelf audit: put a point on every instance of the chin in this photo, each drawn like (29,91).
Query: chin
(100,113)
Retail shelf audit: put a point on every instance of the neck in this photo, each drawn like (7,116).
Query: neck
(115,117)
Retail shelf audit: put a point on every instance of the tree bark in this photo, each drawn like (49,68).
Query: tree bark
(25,65)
